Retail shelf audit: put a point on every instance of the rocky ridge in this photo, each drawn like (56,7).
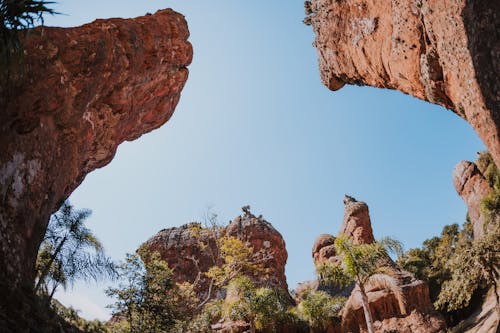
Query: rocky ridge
(444,52)
(82,91)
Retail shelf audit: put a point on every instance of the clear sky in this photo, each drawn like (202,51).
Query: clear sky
(256,126)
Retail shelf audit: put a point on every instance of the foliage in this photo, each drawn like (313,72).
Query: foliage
(429,263)
(319,309)
(238,258)
(70,315)
(264,308)
(359,263)
(474,265)
(18,16)
(211,312)
(147,297)
(490,204)
(456,266)
(70,252)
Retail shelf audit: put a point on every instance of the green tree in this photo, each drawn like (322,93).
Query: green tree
(430,263)
(360,263)
(473,266)
(70,252)
(319,309)
(148,298)
(263,308)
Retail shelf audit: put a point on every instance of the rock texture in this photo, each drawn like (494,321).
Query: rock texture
(416,314)
(82,91)
(191,250)
(473,182)
(444,52)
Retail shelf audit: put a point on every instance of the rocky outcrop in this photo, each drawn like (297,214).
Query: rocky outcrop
(474,182)
(414,314)
(192,249)
(444,52)
(81,92)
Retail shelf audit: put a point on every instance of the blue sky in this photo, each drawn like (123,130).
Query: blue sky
(256,126)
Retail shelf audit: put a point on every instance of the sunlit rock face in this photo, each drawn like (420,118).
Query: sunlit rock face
(416,314)
(190,251)
(79,93)
(444,52)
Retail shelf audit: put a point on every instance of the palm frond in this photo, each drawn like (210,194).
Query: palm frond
(384,281)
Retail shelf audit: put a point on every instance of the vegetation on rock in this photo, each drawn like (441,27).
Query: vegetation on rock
(359,263)
(457,267)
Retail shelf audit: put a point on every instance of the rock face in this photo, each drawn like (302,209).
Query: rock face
(415,314)
(81,93)
(471,183)
(191,250)
(444,52)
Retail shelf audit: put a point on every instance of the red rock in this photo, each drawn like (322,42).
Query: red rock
(471,185)
(82,92)
(415,315)
(444,52)
(357,224)
(191,250)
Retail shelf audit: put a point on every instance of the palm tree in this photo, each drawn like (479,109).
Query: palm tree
(367,266)
(69,252)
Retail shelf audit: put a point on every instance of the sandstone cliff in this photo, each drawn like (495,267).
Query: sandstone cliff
(191,250)
(414,314)
(445,52)
(82,91)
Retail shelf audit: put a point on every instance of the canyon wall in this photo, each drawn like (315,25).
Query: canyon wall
(444,52)
(79,93)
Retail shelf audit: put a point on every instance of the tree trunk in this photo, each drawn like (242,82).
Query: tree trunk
(366,308)
(46,269)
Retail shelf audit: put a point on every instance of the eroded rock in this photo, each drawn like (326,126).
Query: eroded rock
(191,250)
(444,52)
(82,91)
(411,313)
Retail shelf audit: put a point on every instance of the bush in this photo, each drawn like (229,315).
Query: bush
(319,309)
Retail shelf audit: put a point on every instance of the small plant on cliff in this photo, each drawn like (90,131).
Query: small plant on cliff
(70,252)
(363,265)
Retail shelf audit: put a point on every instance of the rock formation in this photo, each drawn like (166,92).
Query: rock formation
(444,52)
(81,92)
(416,314)
(191,250)
(471,183)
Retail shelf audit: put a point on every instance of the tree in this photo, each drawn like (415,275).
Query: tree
(473,266)
(360,263)
(319,309)
(70,252)
(20,15)
(430,263)
(263,308)
(147,297)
